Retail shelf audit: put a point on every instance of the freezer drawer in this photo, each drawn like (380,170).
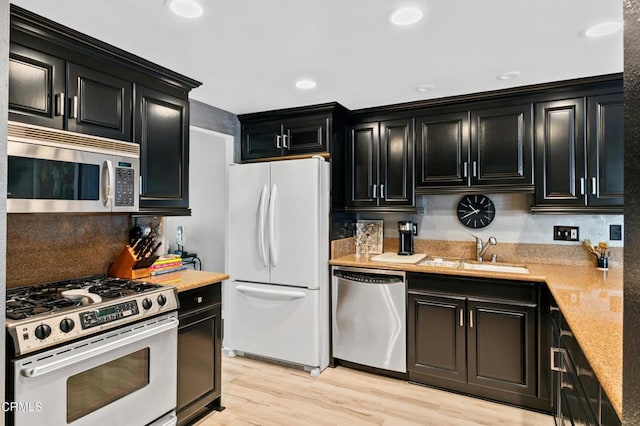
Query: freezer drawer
(280,322)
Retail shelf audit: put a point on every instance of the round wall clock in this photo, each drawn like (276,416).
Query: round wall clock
(476,211)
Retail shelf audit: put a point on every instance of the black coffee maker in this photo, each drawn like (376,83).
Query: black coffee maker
(406,230)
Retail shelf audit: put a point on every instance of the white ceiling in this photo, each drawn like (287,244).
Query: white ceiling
(249,53)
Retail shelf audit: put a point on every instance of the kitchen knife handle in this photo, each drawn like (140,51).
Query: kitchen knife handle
(593,186)
(278,141)
(582,186)
(59,98)
(74,107)
(465,169)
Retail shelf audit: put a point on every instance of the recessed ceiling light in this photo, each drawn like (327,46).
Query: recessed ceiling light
(508,75)
(405,16)
(603,29)
(425,87)
(185,8)
(305,84)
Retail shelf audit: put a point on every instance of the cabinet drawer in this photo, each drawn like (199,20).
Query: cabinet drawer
(199,298)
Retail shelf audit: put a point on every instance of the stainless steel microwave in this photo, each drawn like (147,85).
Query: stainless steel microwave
(55,171)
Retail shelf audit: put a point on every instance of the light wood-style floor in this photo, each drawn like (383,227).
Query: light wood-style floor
(260,393)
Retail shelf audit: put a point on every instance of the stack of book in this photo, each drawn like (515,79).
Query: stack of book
(166,264)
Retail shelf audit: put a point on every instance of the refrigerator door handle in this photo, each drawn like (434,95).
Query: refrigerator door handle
(273,253)
(261,218)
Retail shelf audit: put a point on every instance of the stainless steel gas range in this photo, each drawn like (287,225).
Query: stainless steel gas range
(91,351)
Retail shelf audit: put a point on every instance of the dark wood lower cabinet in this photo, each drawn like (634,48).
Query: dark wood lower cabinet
(477,336)
(199,353)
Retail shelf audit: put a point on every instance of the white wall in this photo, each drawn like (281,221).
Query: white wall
(210,153)
(512,224)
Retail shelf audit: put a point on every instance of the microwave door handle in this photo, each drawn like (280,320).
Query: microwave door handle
(108,180)
(99,349)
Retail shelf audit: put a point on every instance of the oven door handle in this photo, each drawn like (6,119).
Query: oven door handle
(99,349)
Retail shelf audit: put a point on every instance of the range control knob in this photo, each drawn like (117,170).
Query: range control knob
(66,325)
(147,303)
(43,331)
(162,300)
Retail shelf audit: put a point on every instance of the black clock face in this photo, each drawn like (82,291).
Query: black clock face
(476,211)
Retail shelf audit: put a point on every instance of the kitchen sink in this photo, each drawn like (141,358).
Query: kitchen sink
(492,267)
(455,263)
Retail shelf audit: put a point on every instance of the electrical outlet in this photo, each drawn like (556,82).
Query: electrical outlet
(615,232)
(566,233)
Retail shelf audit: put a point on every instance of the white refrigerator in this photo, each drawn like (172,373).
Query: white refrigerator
(277,303)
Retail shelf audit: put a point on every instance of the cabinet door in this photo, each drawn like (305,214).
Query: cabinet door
(442,150)
(501,346)
(36,87)
(362,165)
(261,140)
(396,186)
(605,142)
(161,130)
(560,156)
(305,135)
(436,327)
(100,104)
(501,146)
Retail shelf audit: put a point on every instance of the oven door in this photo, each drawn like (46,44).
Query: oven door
(49,179)
(125,376)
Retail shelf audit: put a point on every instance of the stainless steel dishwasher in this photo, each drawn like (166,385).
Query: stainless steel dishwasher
(369,317)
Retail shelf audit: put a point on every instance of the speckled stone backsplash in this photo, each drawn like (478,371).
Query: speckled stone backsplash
(48,247)
(549,254)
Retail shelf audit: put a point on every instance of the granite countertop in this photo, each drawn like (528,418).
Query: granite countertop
(187,279)
(590,301)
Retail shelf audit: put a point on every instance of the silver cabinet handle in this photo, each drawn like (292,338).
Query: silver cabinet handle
(382,190)
(140,192)
(584,372)
(74,107)
(593,186)
(198,299)
(59,98)
(565,385)
(284,141)
(278,141)
(375,191)
(470,318)
(465,169)
(461,317)
(581,186)
(475,168)
(554,352)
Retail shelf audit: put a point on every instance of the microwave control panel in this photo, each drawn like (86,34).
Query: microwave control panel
(125,187)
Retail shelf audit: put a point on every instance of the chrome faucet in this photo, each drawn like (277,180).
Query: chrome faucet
(481,248)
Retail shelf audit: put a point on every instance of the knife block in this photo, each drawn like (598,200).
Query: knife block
(127,266)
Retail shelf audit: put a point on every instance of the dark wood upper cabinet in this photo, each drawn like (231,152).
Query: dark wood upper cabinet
(605,150)
(259,140)
(162,125)
(442,150)
(36,87)
(502,146)
(380,166)
(475,148)
(99,104)
(579,155)
(305,135)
